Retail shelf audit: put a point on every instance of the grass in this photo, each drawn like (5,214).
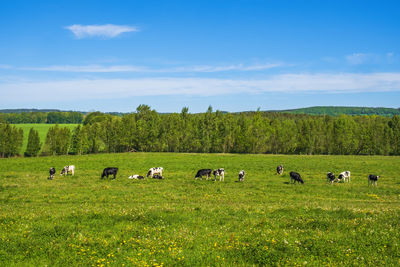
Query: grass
(42,129)
(179,221)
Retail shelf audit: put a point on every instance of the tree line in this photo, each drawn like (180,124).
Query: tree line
(218,132)
(42,117)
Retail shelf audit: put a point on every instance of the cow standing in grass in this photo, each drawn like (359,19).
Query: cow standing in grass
(241,175)
(109,171)
(52,171)
(295,177)
(219,173)
(373,179)
(279,170)
(203,172)
(330,177)
(343,176)
(68,169)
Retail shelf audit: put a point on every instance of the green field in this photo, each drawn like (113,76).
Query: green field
(42,128)
(179,221)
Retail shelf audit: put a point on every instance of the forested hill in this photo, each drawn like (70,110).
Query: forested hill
(335,111)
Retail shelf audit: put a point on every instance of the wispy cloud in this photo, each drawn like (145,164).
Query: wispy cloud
(142,69)
(105,31)
(118,88)
(358,58)
(87,68)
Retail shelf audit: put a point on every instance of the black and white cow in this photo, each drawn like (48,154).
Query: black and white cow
(155,170)
(220,173)
(52,171)
(343,176)
(294,176)
(68,169)
(330,177)
(136,176)
(241,175)
(373,179)
(203,172)
(279,169)
(109,171)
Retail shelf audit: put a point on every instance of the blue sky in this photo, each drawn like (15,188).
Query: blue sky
(233,55)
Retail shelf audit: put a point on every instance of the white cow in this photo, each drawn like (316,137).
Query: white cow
(220,173)
(155,170)
(241,176)
(136,176)
(68,169)
(344,176)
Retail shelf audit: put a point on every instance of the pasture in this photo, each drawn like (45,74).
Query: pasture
(84,220)
(42,129)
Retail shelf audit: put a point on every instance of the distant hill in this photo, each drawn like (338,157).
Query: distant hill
(20,110)
(335,111)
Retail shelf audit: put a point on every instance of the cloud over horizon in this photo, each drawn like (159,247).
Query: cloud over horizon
(143,69)
(105,31)
(122,88)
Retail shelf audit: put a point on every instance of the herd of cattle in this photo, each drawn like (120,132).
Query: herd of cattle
(156,173)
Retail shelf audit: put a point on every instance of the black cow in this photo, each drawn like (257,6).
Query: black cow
(279,169)
(109,171)
(296,177)
(202,172)
(330,177)
(373,179)
(52,171)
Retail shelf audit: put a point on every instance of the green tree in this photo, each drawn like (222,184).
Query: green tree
(79,142)
(34,145)
(57,140)
(10,140)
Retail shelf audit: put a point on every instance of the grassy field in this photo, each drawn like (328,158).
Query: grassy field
(179,221)
(42,128)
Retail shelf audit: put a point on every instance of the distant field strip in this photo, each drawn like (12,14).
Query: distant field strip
(179,221)
(42,128)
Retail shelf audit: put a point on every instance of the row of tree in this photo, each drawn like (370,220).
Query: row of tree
(42,117)
(212,132)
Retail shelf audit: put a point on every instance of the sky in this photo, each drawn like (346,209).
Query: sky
(112,56)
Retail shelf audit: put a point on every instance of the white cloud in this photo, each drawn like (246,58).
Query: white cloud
(88,68)
(358,58)
(121,88)
(130,68)
(106,31)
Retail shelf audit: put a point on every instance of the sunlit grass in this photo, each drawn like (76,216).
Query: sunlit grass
(84,220)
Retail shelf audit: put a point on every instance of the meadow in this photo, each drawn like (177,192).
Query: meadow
(42,129)
(179,221)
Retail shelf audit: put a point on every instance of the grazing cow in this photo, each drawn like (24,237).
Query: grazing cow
(220,173)
(155,170)
(294,176)
(241,175)
(330,177)
(136,176)
(68,169)
(343,176)
(279,169)
(203,172)
(157,176)
(109,171)
(373,179)
(52,171)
